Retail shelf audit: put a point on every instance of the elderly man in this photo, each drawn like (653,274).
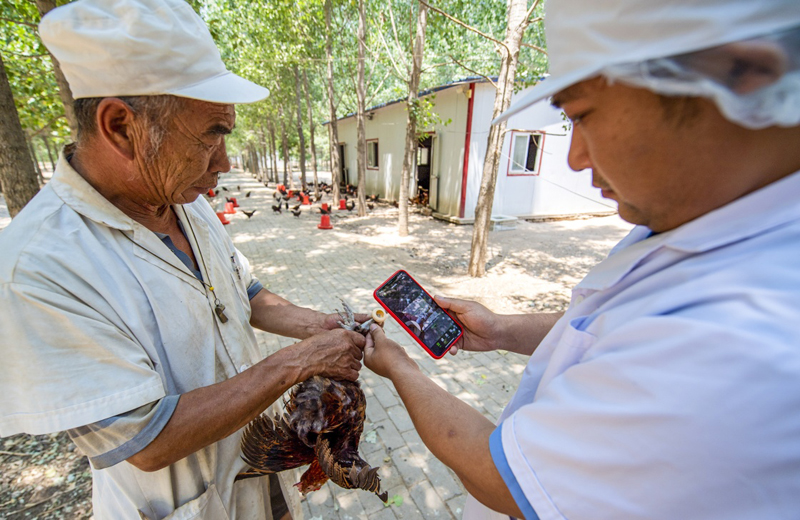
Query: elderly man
(670,388)
(127,311)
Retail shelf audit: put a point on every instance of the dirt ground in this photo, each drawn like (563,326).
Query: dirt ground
(531,267)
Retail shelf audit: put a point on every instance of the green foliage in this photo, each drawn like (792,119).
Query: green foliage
(30,72)
(262,40)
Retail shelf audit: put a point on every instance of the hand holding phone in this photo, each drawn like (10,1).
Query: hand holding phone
(416,311)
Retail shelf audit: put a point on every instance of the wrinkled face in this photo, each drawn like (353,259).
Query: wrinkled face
(191,155)
(662,168)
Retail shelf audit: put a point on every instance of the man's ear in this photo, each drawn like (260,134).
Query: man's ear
(754,64)
(114,125)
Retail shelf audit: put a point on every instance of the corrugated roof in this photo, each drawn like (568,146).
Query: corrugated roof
(422,93)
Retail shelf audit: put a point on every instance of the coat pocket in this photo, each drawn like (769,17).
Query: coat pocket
(569,350)
(208,506)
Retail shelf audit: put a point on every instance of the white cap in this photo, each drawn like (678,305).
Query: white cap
(585,36)
(112,48)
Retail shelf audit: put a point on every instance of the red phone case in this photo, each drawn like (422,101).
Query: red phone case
(405,327)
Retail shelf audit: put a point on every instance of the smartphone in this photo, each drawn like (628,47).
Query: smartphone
(416,311)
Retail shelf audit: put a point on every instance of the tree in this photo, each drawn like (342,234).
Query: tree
(17,174)
(409,157)
(64,92)
(361,144)
(307,92)
(333,130)
(300,134)
(518,20)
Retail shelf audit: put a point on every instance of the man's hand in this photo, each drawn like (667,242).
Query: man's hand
(334,353)
(482,330)
(381,355)
(331,321)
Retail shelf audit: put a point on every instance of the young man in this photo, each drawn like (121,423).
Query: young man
(669,388)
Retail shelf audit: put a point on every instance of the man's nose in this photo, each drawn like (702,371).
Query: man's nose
(578,157)
(219,159)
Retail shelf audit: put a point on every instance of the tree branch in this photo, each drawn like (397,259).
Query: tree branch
(434,66)
(459,22)
(397,70)
(45,127)
(376,90)
(397,39)
(487,78)
(530,11)
(28,55)
(20,22)
(532,46)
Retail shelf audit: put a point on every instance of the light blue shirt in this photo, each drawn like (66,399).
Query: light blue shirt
(671,386)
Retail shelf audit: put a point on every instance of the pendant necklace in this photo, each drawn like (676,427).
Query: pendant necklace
(219,307)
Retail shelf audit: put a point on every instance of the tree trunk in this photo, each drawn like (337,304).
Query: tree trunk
(288,177)
(300,135)
(410,155)
(361,139)
(336,160)
(517,23)
(265,156)
(64,92)
(17,172)
(273,151)
(49,152)
(311,133)
(253,153)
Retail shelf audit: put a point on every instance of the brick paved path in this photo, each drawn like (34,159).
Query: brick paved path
(314,267)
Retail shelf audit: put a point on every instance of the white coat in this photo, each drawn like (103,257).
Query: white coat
(100,317)
(671,386)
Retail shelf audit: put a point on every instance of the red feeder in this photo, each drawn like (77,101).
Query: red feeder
(306,202)
(211,193)
(290,194)
(325,222)
(342,204)
(229,209)
(235,204)
(221,216)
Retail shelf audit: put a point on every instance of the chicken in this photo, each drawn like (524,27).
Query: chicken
(350,204)
(276,209)
(249,213)
(296,212)
(321,426)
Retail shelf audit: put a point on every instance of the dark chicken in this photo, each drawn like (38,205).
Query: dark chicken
(321,426)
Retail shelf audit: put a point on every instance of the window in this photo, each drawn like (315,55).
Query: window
(423,156)
(372,154)
(525,153)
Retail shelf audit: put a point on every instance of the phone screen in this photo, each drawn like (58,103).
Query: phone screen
(408,302)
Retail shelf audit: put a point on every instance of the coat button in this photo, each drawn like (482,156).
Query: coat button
(244,367)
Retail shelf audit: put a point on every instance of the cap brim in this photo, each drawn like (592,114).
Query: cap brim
(227,88)
(545,89)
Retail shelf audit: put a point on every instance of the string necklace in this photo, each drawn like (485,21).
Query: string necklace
(219,307)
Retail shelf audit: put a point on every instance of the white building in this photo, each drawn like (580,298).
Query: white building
(534,180)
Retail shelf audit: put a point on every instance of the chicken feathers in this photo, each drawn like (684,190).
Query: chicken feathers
(321,425)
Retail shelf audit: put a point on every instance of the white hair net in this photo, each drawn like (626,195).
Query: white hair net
(747,93)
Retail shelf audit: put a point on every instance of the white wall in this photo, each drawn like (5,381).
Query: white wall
(556,190)
(388,126)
